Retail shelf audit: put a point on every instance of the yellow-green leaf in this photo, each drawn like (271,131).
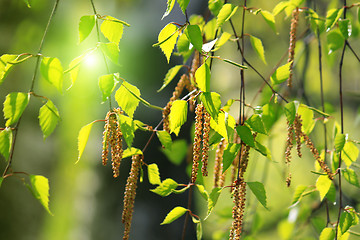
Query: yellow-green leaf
(165,139)
(112,29)
(131,152)
(258,190)
(125,98)
(48,118)
(279,7)
(222,40)
(215,6)
(258,47)
(86,25)
(212,200)
(169,7)
(14,106)
(257,124)
(193,33)
(5,66)
(177,116)
(349,153)
(170,76)
(212,103)
(225,13)
(339,142)
(202,77)
(167,39)
(269,19)
(165,188)
(345,222)
(6,142)
(52,70)
(153,174)
(263,150)
(332,16)
(127,127)
(183,4)
(335,40)
(107,85)
(298,194)
(323,184)
(40,189)
(327,234)
(111,50)
(174,214)
(281,74)
(230,153)
(350,176)
(307,117)
(83,138)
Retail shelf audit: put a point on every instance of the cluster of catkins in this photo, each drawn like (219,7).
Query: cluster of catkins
(293,28)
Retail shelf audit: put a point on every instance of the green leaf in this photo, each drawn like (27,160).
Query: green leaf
(350,176)
(245,135)
(281,74)
(335,41)
(1,180)
(298,194)
(222,40)
(86,25)
(258,190)
(165,139)
(234,63)
(331,195)
(40,190)
(167,39)
(339,142)
(6,138)
(14,106)
(258,47)
(127,127)
(345,28)
(212,200)
(202,77)
(170,75)
(269,19)
(256,123)
(53,72)
(112,29)
(199,231)
(215,6)
(332,16)
(107,85)
(224,126)
(327,234)
(131,152)
(263,150)
(153,174)
(178,151)
(183,4)
(177,116)
(48,118)
(5,66)
(27,3)
(323,184)
(193,33)
(125,98)
(165,188)
(170,5)
(345,222)
(307,117)
(225,13)
(280,7)
(174,214)
(111,50)
(181,190)
(349,153)
(212,103)
(290,111)
(203,191)
(230,153)
(83,137)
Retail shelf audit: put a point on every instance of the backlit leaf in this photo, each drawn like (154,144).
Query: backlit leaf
(169,7)
(263,150)
(83,138)
(199,231)
(349,153)
(178,151)
(332,16)
(183,4)
(345,222)
(212,103)
(281,74)
(165,188)
(178,115)
(222,40)
(112,29)
(125,98)
(153,174)
(258,190)
(298,194)
(335,41)
(257,124)
(258,47)
(14,106)
(107,85)
(174,214)
(225,13)
(245,135)
(170,76)
(290,111)
(48,118)
(203,191)
(202,76)
(86,25)
(6,142)
(212,200)
(111,50)
(165,139)
(193,33)
(307,117)
(230,153)
(127,127)
(167,39)
(220,125)
(327,234)
(339,142)
(350,176)
(215,6)
(40,190)
(52,70)
(279,7)
(345,28)
(323,184)
(5,66)
(131,152)
(269,19)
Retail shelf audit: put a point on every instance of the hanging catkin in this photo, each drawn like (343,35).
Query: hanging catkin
(293,28)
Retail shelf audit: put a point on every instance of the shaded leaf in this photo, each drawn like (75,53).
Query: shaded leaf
(153,174)
(263,150)
(350,176)
(107,85)
(290,110)
(165,139)
(174,214)
(83,137)
(339,142)
(177,116)
(258,190)
(215,6)
(167,39)
(230,153)
(170,75)
(212,200)
(111,50)
(169,7)
(183,4)
(125,98)
(14,106)
(27,3)
(335,41)
(165,188)
(6,138)
(53,72)
(349,153)
(345,222)
(193,33)
(345,28)
(40,190)
(281,74)
(127,127)
(5,66)
(86,25)
(199,231)
(212,103)
(178,151)
(323,184)
(258,47)
(112,29)
(269,19)
(131,152)
(256,124)
(245,135)
(202,77)
(48,118)
(225,13)
(298,194)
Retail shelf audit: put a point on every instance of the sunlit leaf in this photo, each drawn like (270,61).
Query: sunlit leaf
(5,66)
(307,117)
(220,125)
(263,150)
(52,70)
(298,194)
(212,103)
(165,139)
(222,40)
(327,234)
(165,188)
(280,7)
(349,153)
(258,190)
(345,222)
(350,176)
(225,13)
(258,47)
(245,135)
(48,118)
(178,115)
(269,19)
(339,142)
(112,29)
(345,28)
(230,153)
(215,6)
(193,33)
(183,4)
(169,7)
(111,50)
(212,200)
(40,190)
(131,152)
(6,142)
(202,76)
(257,124)
(335,41)
(178,151)
(14,106)
(202,191)
(332,16)
(107,85)
(86,25)
(127,127)
(281,74)
(174,214)
(290,111)
(170,75)
(126,100)
(167,39)
(83,138)
(323,184)
(153,174)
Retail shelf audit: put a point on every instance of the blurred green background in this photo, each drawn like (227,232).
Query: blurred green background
(85,199)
